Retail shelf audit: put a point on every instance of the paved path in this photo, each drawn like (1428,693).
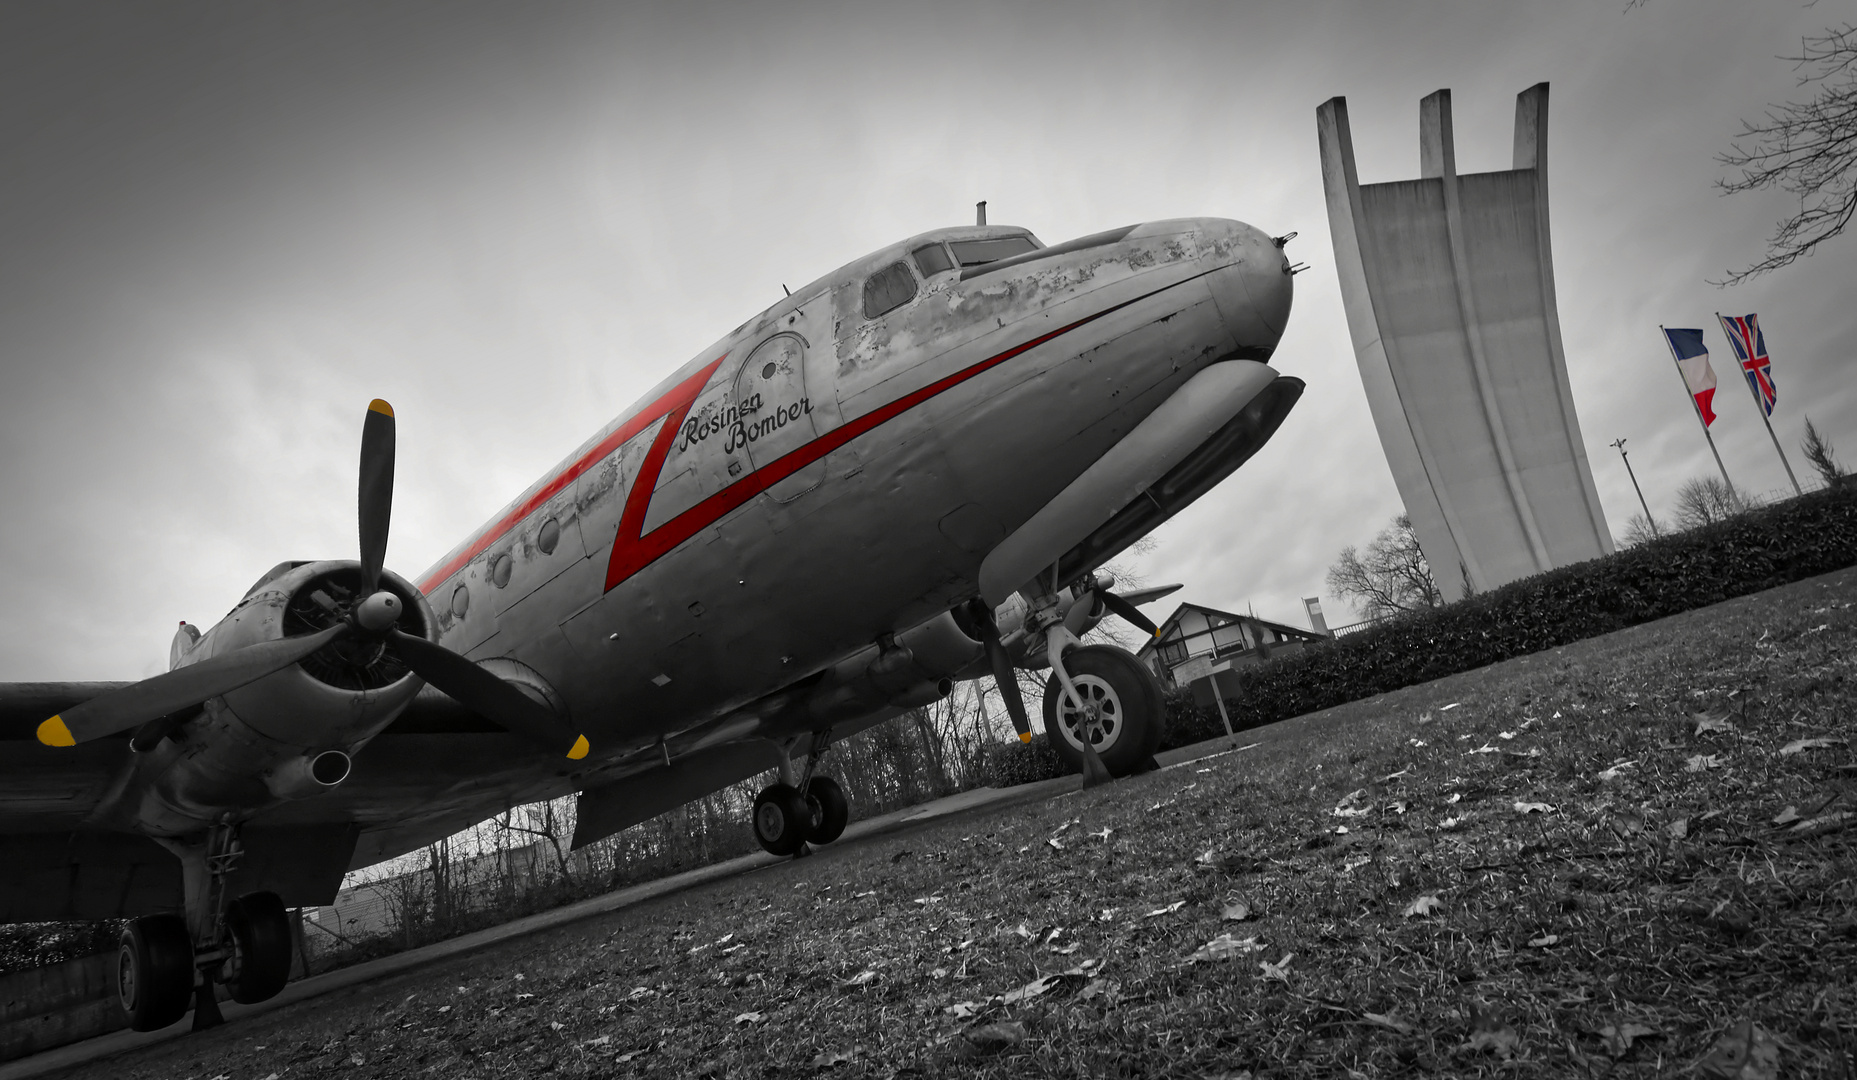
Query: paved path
(119,1042)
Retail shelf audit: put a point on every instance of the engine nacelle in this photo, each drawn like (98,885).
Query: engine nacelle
(290,733)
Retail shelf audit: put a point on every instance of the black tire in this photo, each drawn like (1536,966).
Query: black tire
(1134,716)
(259,929)
(154,971)
(781,819)
(831,811)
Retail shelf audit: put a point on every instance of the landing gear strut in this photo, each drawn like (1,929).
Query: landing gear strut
(800,810)
(167,960)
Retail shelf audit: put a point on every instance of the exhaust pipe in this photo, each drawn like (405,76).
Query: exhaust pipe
(300,776)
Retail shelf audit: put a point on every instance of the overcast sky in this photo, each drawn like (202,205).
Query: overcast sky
(224,228)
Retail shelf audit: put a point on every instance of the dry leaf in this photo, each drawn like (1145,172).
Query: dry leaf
(961,1010)
(750,1018)
(1056,843)
(1786,816)
(1544,941)
(1168,910)
(1389,1021)
(1618,1037)
(1490,1033)
(1424,905)
(1711,721)
(829,1058)
(1703,763)
(1678,829)
(1612,772)
(1236,911)
(1798,745)
(1279,971)
(859,979)
(1030,990)
(991,1039)
(1744,1052)
(1534,808)
(1224,947)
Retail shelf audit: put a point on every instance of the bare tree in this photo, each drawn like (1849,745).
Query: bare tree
(1818,451)
(1704,501)
(1390,578)
(1638,530)
(1807,149)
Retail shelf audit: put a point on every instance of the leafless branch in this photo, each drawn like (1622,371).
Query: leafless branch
(1807,149)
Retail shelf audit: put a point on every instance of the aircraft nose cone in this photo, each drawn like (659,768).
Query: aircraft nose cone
(1252,285)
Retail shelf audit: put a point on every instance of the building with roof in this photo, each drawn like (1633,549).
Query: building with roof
(1204,647)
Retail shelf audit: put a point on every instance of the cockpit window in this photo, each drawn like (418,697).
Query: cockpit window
(888,289)
(932,259)
(979,252)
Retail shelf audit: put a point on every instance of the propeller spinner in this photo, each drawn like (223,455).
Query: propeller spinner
(373,618)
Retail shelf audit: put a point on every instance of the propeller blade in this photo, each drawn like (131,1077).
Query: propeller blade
(182,688)
(488,696)
(376,495)
(1003,674)
(1129,612)
(1008,681)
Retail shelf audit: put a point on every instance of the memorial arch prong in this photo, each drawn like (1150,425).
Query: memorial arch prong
(1448,284)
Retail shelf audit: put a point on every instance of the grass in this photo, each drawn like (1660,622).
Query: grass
(1611,897)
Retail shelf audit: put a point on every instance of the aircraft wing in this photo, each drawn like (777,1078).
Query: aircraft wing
(435,770)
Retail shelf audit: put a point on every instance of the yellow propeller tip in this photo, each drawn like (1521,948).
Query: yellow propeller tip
(1025,737)
(381,407)
(53,733)
(580,749)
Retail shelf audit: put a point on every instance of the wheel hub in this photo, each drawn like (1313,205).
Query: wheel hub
(1100,720)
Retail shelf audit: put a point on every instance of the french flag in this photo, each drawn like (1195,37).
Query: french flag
(1692,359)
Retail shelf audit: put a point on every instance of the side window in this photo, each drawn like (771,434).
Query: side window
(888,289)
(981,252)
(932,259)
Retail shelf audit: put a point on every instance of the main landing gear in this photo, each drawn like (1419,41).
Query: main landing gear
(1113,708)
(166,962)
(797,811)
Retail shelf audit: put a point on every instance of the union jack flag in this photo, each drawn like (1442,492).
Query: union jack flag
(1750,345)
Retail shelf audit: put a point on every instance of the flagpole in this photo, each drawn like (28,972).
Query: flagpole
(1677,363)
(1762,407)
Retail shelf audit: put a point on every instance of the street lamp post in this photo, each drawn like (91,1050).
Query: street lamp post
(1626,458)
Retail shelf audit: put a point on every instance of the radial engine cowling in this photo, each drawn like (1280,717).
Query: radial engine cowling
(289,734)
(340,693)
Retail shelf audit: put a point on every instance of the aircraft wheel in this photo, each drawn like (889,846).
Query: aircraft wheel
(782,818)
(831,811)
(1125,701)
(260,932)
(154,971)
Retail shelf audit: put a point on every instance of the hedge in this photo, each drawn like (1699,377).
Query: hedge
(1774,545)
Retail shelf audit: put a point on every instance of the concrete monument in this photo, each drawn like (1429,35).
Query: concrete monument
(1448,282)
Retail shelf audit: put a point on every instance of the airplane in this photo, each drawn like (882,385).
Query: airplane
(906,474)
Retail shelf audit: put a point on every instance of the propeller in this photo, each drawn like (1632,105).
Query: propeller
(1128,612)
(1003,673)
(374,618)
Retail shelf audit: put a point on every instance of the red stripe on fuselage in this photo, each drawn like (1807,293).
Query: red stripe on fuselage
(632,550)
(677,399)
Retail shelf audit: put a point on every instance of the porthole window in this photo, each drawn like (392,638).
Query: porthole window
(888,289)
(499,570)
(549,536)
(460,601)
